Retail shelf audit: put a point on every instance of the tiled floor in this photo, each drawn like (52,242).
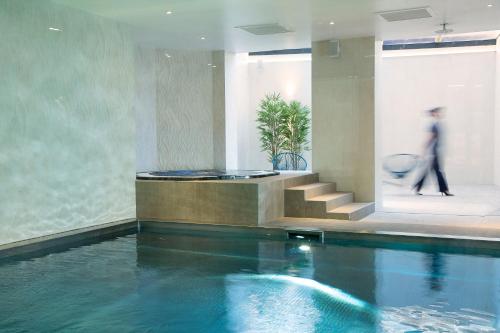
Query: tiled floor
(473,212)
(405,223)
(480,200)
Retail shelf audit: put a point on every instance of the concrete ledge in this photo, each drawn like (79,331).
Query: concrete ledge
(75,237)
(416,242)
(236,231)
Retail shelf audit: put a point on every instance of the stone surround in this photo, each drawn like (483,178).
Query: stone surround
(237,202)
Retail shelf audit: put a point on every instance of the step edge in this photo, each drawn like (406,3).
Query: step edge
(340,195)
(361,205)
(317,185)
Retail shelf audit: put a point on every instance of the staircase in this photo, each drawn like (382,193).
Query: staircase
(321,200)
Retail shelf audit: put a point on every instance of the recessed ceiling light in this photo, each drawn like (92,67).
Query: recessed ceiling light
(54,29)
(332,23)
(202,38)
(168,12)
(213,66)
(490,5)
(209,64)
(167,55)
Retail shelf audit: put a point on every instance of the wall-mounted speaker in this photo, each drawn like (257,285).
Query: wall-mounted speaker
(334,48)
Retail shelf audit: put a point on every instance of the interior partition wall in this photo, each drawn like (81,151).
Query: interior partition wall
(343,115)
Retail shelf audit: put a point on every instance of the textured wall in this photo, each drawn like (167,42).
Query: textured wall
(180,109)
(343,116)
(184,110)
(219,109)
(67,128)
(145,109)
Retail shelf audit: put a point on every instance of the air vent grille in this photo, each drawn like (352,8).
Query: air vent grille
(264,29)
(406,14)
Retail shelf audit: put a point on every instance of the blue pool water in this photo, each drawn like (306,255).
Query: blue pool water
(192,283)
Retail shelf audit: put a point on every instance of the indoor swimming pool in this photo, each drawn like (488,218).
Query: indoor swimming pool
(187,282)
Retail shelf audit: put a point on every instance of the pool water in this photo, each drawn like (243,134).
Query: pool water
(193,283)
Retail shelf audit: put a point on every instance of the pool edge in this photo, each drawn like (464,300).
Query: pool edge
(70,237)
(377,238)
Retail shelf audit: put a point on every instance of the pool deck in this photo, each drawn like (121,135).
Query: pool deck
(470,234)
(425,225)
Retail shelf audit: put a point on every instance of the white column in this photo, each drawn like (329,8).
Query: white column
(236,78)
(497,118)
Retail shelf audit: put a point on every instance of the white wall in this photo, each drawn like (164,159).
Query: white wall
(237,94)
(288,75)
(464,83)
(497,117)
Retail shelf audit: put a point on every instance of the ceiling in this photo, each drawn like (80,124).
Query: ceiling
(309,19)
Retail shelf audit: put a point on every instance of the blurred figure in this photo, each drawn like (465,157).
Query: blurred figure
(433,149)
(436,270)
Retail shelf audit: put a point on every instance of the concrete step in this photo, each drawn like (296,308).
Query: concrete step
(310,190)
(353,211)
(318,206)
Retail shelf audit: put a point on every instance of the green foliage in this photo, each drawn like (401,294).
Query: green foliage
(296,127)
(295,130)
(270,124)
(283,127)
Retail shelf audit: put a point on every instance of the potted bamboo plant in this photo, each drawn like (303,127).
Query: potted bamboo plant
(283,129)
(295,131)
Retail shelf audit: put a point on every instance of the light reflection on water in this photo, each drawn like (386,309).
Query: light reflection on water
(181,283)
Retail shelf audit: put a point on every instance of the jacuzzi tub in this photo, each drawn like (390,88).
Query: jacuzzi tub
(204,174)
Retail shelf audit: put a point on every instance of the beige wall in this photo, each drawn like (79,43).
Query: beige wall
(343,116)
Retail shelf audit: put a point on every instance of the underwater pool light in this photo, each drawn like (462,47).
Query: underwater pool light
(305,248)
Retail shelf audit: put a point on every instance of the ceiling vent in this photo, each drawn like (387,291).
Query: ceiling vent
(406,14)
(264,29)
